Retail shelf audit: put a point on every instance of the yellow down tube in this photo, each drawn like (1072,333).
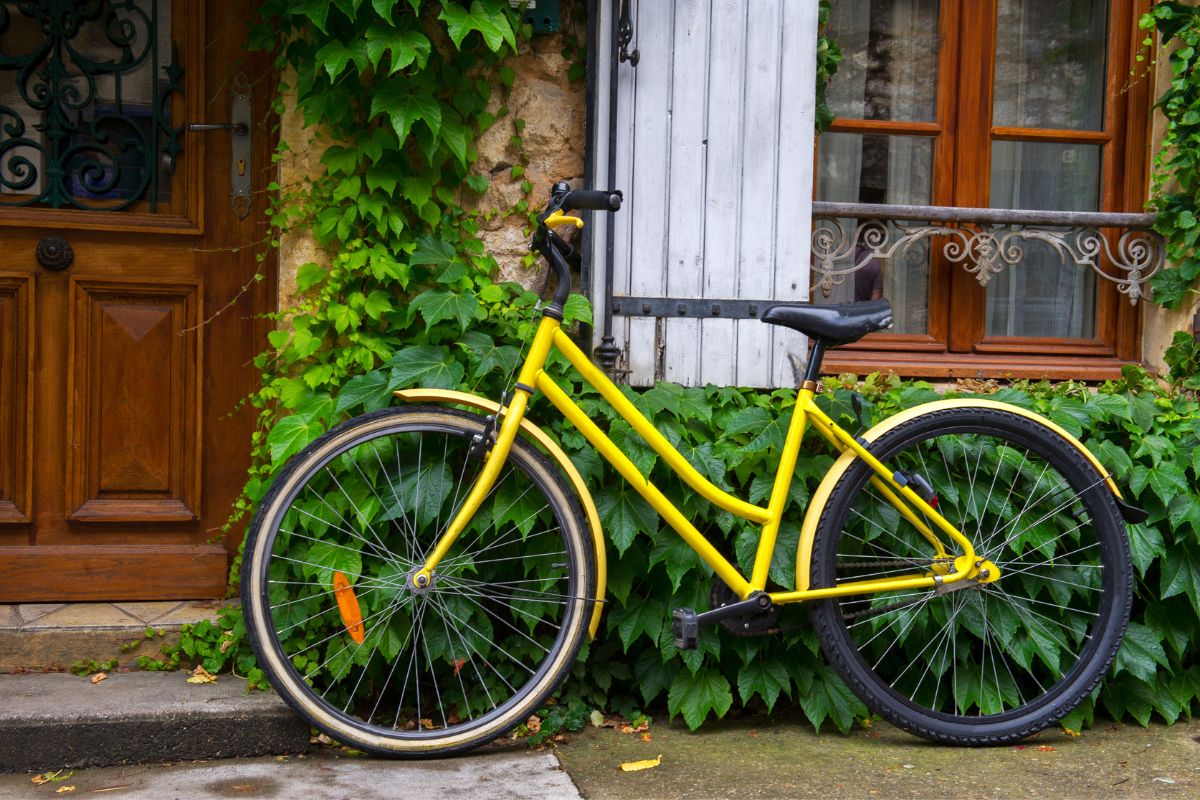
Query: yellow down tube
(515,412)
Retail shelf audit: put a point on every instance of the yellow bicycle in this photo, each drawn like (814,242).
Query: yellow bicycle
(419,579)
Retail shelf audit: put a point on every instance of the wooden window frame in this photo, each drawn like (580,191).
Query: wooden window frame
(955,344)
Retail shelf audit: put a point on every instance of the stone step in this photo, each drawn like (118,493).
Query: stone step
(53,721)
(40,637)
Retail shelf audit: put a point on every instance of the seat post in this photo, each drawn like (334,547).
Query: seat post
(813,370)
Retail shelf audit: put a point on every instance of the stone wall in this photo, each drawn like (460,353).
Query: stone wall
(1160,324)
(553,111)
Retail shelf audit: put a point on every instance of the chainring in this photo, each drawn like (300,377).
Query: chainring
(759,623)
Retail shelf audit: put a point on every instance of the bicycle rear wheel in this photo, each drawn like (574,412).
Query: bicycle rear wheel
(353,646)
(981,663)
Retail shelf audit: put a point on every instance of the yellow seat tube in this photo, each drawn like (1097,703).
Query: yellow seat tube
(629,471)
(779,492)
(513,415)
(629,412)
(845,441)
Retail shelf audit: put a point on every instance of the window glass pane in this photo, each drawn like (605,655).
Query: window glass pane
(1042,295)
(1050,63)
(861,168)
(86,104)
(889,59)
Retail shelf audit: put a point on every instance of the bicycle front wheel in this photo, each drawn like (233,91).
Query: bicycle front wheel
(348,640)
(978,663)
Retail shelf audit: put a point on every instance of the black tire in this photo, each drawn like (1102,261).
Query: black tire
(439,670)
(994,662)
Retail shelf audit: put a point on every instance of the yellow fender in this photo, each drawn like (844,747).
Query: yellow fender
(816,506)
(555,452)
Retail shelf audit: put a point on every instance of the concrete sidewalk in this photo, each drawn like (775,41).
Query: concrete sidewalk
(51,722)
(757,757)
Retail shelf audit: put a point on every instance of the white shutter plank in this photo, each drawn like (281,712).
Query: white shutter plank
(650,224)
(793,224)
(756,263)
(724,132)
(685,247)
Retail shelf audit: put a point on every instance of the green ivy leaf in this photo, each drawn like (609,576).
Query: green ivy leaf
(624,514)
(432,251)
(404,107)
(289,436)
(404,47)
(369,390)
(1141,653)
(491,23)
(436,305)
(424,365)
(698,695)
(1181,575)
(764,677)
(636,619)
(336,55)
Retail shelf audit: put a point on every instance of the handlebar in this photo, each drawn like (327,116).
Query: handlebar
(592,200)
(558,252)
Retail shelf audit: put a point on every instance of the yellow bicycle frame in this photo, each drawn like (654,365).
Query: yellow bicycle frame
(532,378)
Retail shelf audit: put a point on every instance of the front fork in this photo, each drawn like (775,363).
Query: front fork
(511,416)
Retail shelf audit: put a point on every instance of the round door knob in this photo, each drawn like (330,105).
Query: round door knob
(55,253)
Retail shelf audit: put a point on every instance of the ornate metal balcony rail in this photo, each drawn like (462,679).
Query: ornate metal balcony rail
(1118,247)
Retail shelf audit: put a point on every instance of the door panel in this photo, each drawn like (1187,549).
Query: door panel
(16,320)
(122,444)
(134,383)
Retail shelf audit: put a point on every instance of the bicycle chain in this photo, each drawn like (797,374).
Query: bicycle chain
(899,562)
(880,610)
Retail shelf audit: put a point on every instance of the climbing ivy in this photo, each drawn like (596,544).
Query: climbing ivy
(1176,177)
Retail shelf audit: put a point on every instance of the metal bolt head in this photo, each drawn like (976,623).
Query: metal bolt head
(421,580)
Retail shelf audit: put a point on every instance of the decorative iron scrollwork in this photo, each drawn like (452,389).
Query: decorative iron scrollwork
(78,132)
(984,241)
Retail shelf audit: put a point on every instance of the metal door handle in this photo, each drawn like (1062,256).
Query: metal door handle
(238,128)
(241,140)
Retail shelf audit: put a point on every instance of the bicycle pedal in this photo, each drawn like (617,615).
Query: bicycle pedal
(686,629)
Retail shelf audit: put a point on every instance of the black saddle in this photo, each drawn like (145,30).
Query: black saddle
(833,324)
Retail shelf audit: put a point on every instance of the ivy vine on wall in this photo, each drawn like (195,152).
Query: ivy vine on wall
(1176,177)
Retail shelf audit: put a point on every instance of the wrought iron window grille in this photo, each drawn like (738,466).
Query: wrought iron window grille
(74,135)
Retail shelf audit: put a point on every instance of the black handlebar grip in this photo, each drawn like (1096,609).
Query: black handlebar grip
(593,200)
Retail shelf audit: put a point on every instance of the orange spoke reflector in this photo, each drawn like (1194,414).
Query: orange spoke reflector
(348,607)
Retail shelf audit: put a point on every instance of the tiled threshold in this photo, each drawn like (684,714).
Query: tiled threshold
(40,637)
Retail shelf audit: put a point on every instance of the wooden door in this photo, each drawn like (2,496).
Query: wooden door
(129,309)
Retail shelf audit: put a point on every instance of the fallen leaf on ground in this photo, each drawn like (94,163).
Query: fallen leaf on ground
(201,675)
(64,789)
(322,738)
(596,717)
(54,775)
(99,676)
(645,737)
(754,733)
(534,723)
(634,766)
(1045,748)
(1071,732)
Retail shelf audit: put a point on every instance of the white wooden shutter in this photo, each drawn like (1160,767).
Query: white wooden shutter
(714,150)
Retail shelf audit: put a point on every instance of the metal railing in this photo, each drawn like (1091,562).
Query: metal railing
(1120,248)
